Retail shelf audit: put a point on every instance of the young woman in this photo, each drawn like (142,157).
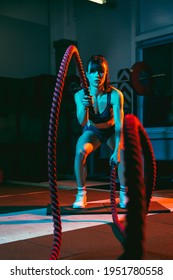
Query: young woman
(101,114)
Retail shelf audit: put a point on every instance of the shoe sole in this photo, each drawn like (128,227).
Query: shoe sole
(79,207)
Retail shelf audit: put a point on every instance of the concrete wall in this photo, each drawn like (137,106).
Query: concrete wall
(24,33)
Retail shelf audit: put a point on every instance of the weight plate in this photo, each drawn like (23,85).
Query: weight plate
(141,78)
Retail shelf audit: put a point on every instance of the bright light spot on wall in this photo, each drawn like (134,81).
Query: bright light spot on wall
(99,1)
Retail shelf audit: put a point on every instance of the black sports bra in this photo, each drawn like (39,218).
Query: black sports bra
(105,116)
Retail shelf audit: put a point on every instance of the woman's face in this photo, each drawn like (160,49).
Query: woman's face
(96,74)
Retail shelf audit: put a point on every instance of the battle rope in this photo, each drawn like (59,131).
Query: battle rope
(120,230)
(139,192)
(134,132)
(52,136)
(139,164)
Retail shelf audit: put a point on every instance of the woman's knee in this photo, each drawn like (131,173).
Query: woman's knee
(80,155)
(84,149)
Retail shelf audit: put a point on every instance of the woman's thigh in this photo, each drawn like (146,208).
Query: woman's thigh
(111,145)
(111,142)
(88,142)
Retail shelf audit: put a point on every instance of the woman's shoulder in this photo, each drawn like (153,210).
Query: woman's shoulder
(116,94)
(116,91)
(79,94)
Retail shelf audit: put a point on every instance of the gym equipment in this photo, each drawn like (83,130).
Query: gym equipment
(133,134)
(52,136)
(139,164)
(141,78)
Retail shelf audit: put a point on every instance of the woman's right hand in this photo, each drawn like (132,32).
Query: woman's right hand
(87,101)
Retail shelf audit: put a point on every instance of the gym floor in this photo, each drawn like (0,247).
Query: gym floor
(26,224)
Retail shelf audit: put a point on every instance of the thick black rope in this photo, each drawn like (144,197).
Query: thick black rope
(149,164)
(134,246)
(119,230)
(137,144)
(52,136)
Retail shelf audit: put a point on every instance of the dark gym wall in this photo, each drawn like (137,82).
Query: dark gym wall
(26,89)
(28,30)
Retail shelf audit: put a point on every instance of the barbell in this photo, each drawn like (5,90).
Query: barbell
(141,78)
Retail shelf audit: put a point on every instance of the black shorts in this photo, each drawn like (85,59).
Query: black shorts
(102,134)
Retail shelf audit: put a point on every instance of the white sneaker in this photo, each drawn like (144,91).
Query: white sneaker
(81,200)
